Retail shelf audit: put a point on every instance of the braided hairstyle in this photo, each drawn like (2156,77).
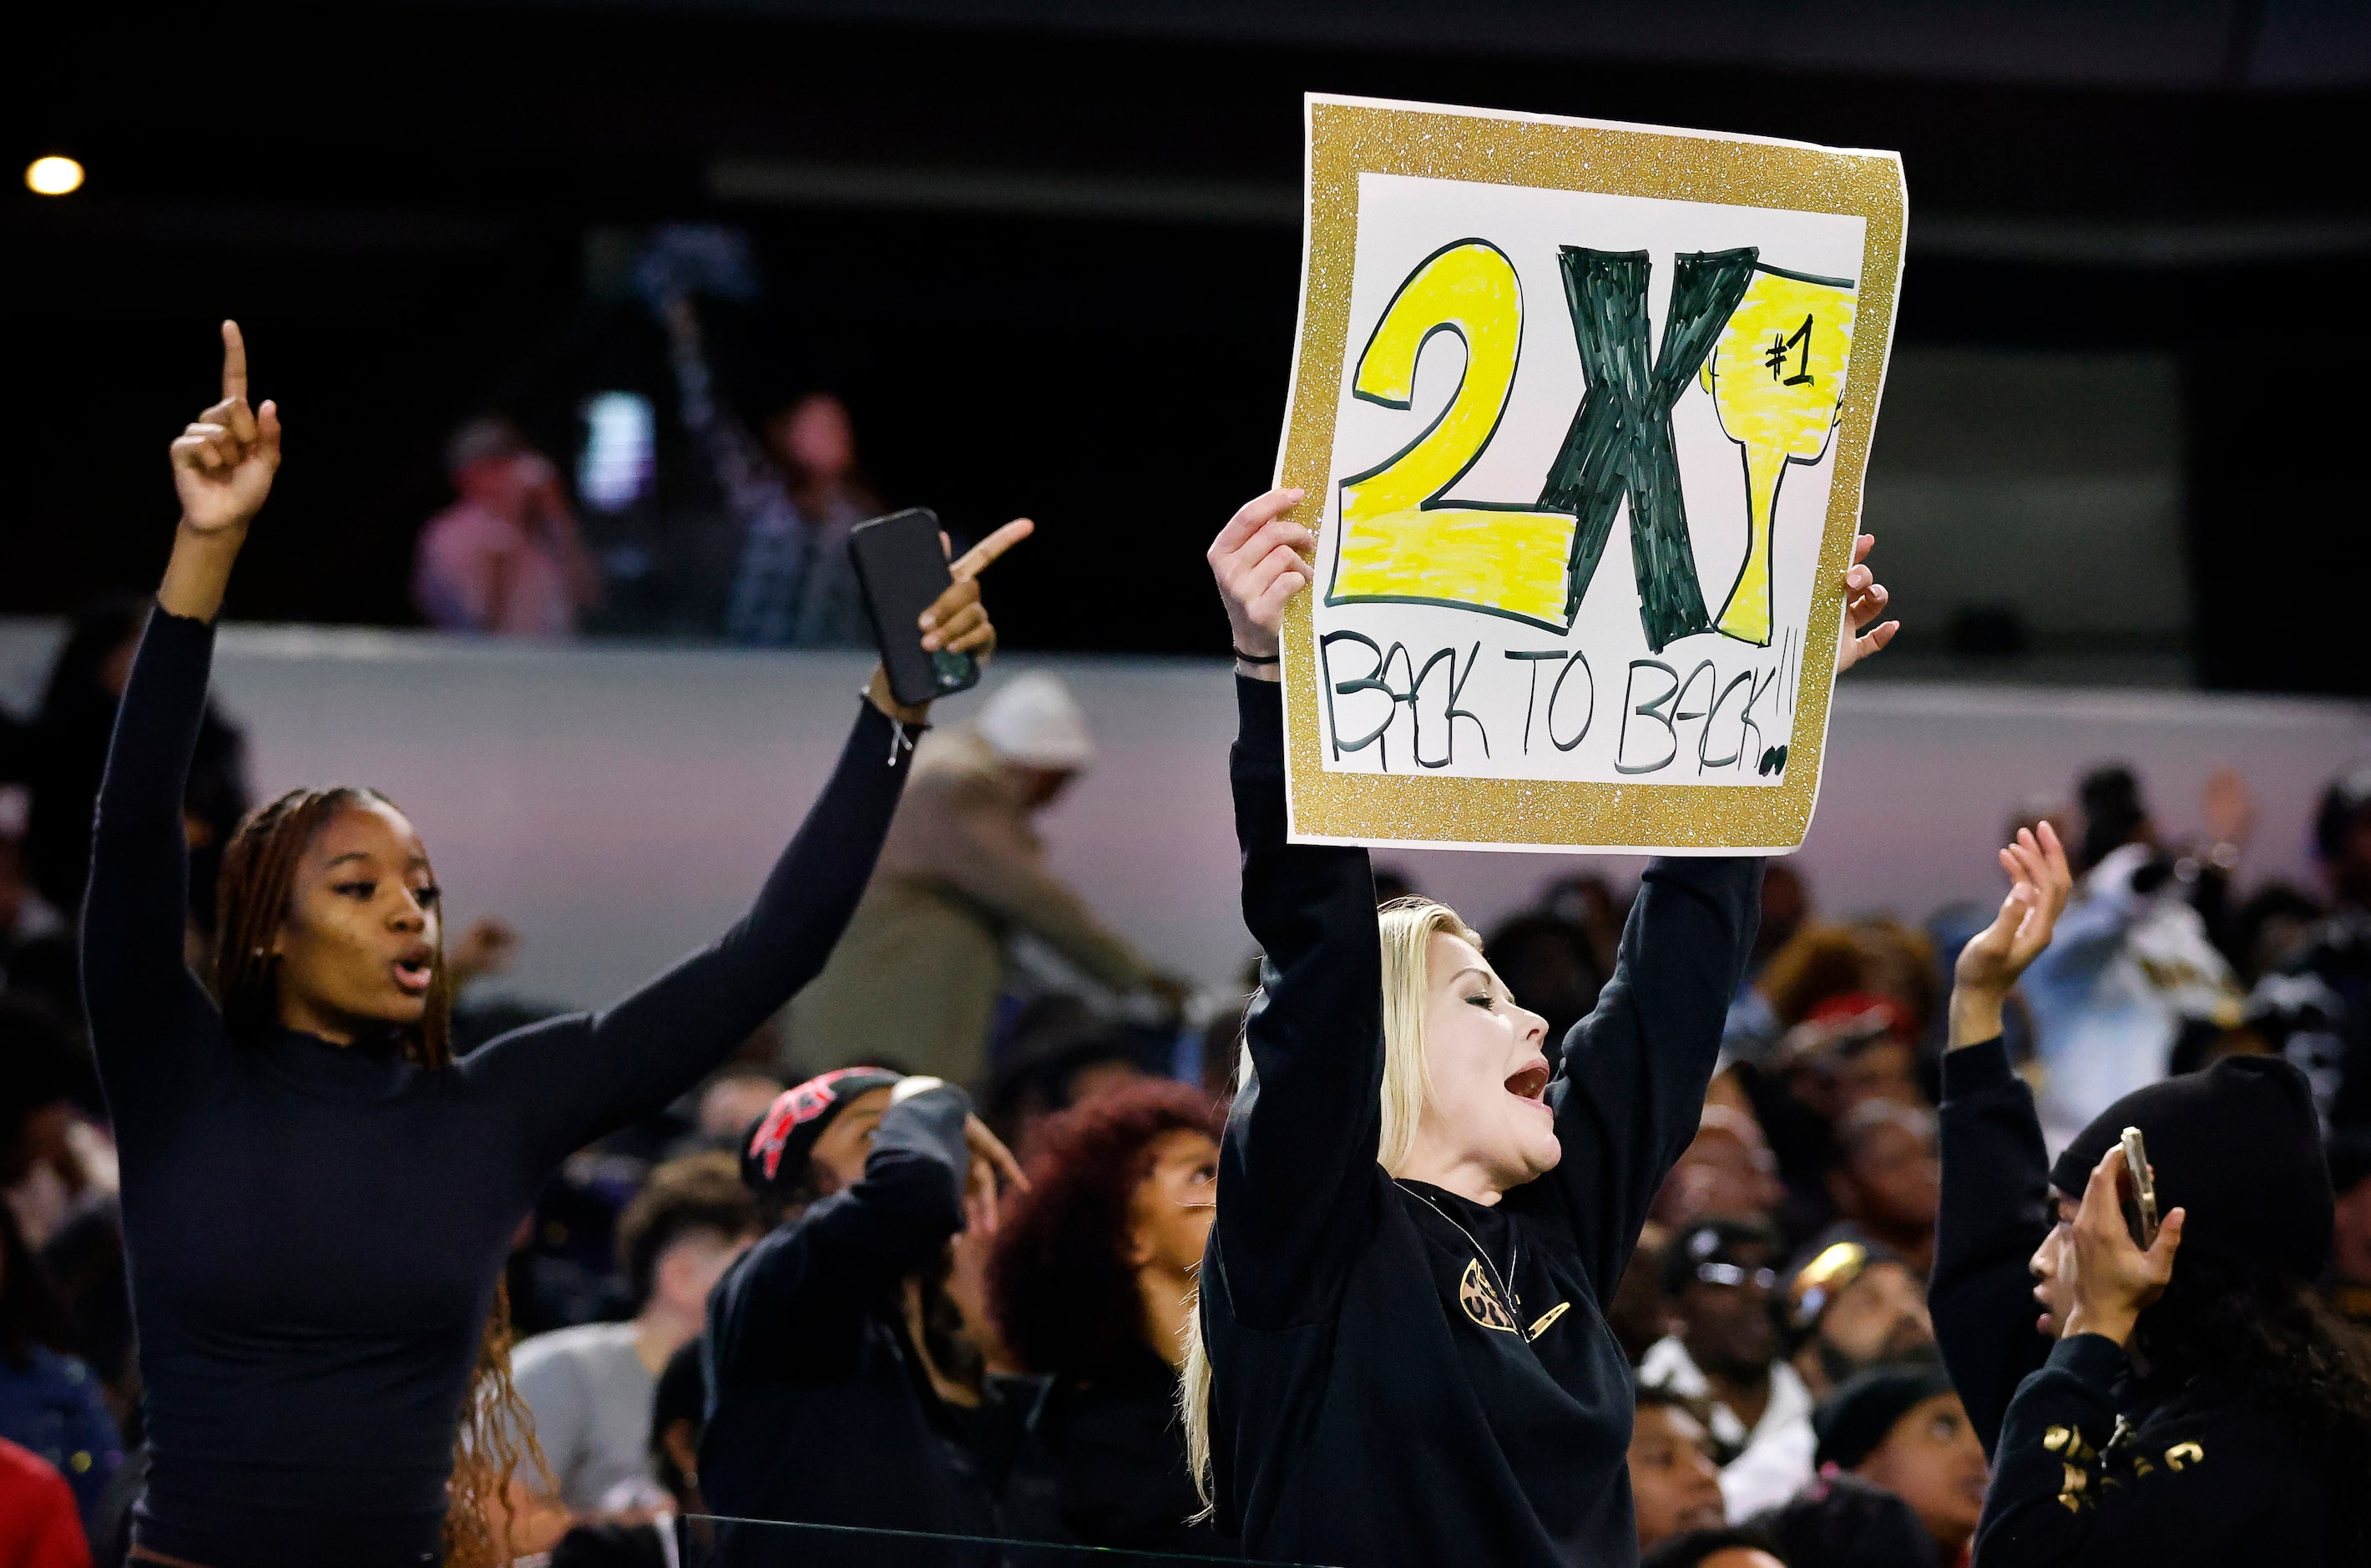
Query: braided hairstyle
(496,1435)
(2262,1337)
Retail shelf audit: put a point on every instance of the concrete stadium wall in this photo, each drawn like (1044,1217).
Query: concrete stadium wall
(619,804)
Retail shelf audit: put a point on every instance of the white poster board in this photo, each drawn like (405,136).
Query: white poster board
(1582,411)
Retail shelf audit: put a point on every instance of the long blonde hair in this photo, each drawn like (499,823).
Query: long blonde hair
(1406,927)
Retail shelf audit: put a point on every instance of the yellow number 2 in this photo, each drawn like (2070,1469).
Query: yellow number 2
(1400,541)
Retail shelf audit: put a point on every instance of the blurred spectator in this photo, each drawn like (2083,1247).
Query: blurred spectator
(2132,960)
(50,1401)
(1715,1549)
(2347,1285)
(1027,1094)
(59,1180)
(69,751)
(847,1387)
(1720,1275)
(590,1388)
(1640,1314)
(732,1102)
(964,872)
(2326,987)
(1092,1281)
(2272,930)
(795,496)
(24,913)
(1552,967)
(38,1524)
(1887,1179)
(506,557)
(676,1411)
(1727,1168)
(1588,902)
(1674,1485)
(1853,1306)
(1786,905)
(1850,1052)
(1839,1521)
(55,1163)
(1902,1429)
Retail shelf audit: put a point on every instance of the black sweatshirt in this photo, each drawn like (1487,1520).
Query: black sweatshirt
(2193,1477)
(315,1231)
(1108,1466)
(821,1413)
(1374,1399)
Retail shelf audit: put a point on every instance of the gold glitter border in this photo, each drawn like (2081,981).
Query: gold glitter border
(1347,139)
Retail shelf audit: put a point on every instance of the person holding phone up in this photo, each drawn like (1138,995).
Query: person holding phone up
(2182,1397)
(317,1192)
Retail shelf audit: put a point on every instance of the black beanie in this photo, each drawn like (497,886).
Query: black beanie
(2240,1148)
(775,1153)
(1853,1420)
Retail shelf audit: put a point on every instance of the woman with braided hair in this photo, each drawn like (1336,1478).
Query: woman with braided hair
(318,1194)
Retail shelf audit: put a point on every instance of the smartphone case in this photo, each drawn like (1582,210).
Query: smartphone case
(902,567)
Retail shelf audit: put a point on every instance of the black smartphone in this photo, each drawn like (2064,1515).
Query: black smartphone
(901,563)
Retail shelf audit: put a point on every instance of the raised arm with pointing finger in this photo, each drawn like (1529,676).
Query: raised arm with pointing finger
(317,1196)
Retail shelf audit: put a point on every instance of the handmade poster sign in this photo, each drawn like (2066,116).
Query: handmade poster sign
(1581,410)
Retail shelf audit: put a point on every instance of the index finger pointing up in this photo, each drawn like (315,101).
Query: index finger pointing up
(233,362)
(980,557)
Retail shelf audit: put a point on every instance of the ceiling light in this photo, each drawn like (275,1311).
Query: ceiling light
(53,175)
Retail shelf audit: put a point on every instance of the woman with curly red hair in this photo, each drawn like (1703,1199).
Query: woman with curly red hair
(1092,1283)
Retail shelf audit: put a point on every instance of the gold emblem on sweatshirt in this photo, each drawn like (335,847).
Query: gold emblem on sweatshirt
(1481,1302)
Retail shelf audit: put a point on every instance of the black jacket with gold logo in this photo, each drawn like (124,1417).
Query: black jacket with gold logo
(2092,1467)
(1401,1376)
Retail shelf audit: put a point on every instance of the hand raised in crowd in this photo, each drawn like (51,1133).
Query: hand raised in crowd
(487,946)
(1260,563)
(223,462)
(956,620)
(2114,1281)
(993,1166)
(2228,810)
(991,1161)
(223,465)
(1865,600)
(2040,884)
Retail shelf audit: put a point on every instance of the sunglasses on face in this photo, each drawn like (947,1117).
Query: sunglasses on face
(1731,1274)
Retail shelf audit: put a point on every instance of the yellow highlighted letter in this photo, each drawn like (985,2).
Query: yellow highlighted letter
(1399,540)
(1777,378)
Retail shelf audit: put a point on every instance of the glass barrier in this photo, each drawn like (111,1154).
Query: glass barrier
(715,1538)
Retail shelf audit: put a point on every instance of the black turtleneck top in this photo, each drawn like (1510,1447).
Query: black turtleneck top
(315,1231)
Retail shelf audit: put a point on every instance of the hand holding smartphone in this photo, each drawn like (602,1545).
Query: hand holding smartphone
(901,563)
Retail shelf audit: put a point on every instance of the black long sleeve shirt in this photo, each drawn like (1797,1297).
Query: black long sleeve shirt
(2092,1466)
(1372,1401)
(314,1231)
(820,1412)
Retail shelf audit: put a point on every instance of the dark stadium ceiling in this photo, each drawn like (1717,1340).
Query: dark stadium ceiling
(2176,45)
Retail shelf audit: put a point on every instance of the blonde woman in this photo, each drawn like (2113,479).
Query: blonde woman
(1402,1355)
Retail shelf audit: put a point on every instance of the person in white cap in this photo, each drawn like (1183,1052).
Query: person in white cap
(916,978)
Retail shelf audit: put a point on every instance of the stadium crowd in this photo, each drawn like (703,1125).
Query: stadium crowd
(916,1258)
